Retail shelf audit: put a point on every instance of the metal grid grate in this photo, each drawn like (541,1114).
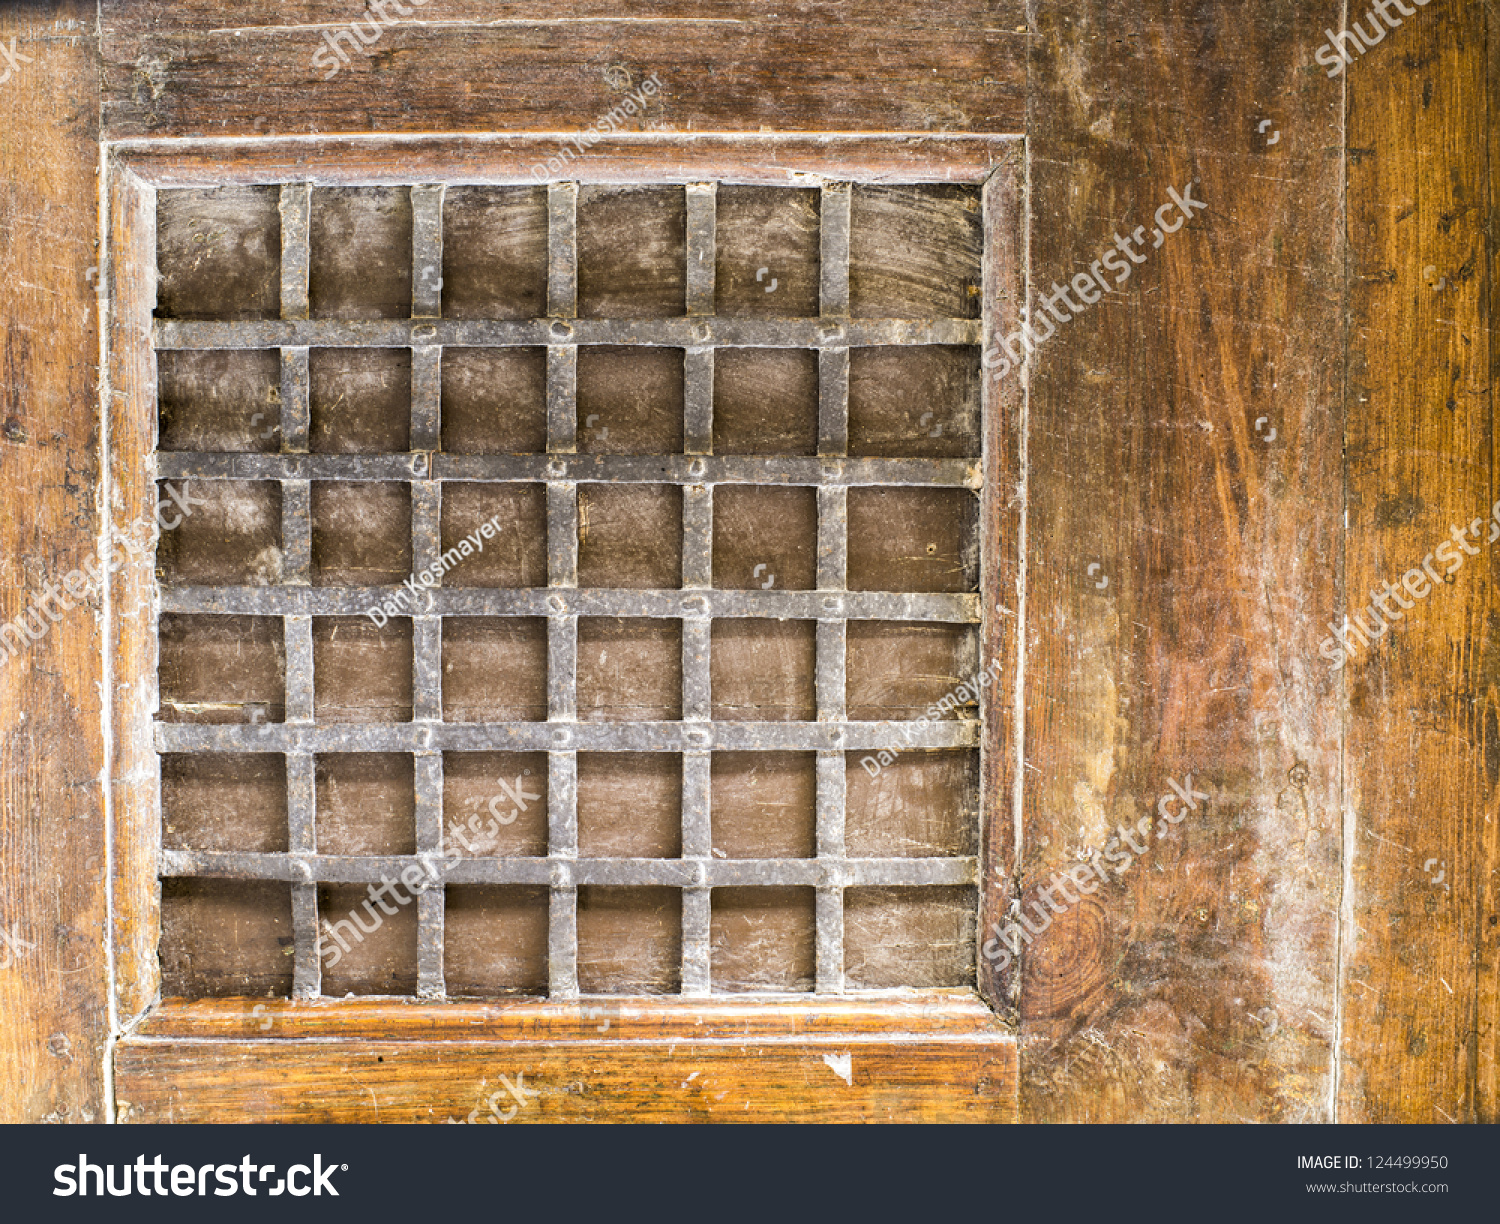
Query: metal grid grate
(696,737)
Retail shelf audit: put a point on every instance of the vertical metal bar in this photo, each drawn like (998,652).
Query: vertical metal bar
(562,571)
(702,201)
(562,533)
(296,253)
(698,389)
(431,902)
(697,673)
(833,537)
(296,537)
(297,638)
(697,844)
(697,537)
(833,286)
(830,936)
(307,967)
(562,250)
(562,399)
(427,252)
(296,532)
(301,803)
(296,412)
(698,367)
(833,552)
(832,654)
(562,849)
(697,930)
(833,401)
(426,398)
(562,668)
(427,631)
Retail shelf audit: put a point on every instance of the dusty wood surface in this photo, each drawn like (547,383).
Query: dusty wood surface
(209,68)
(938,1061)
(1181,565)
(53,1017)
(1423,753)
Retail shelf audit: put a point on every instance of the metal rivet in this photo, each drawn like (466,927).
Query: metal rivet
(561,330)
(426,332)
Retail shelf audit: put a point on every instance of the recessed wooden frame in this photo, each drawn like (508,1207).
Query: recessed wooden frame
(951,1054)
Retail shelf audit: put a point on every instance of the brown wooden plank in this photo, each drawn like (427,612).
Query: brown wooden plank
(134,770)
(1201,984)
(945,1059)
(464,65)
(1002,545)
(1422,759)
(1487,1035)
(53,854)
(658,158)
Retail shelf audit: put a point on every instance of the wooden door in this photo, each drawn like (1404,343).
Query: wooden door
(1199,447)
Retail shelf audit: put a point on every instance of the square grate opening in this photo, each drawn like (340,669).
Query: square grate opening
(580,595)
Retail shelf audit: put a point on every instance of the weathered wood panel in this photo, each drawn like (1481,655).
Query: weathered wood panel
(1423,759)
(1181,564)
(207,68)
(53,856)
(1487,1036)
(941,1061)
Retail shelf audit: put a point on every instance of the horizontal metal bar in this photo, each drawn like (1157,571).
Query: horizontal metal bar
(427,870)
(566,737)
(685,332)
(570,601)
(611,469)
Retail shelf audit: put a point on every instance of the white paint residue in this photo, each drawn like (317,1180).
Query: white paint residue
(842,1065)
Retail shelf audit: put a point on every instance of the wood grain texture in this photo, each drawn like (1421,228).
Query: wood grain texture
(133,623)
(1423,759)
(772,159)
(53,1015)
(1200,985)
(209,69)
(944,1059)
(1487,1027)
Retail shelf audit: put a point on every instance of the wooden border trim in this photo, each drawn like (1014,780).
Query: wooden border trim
(499,160)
